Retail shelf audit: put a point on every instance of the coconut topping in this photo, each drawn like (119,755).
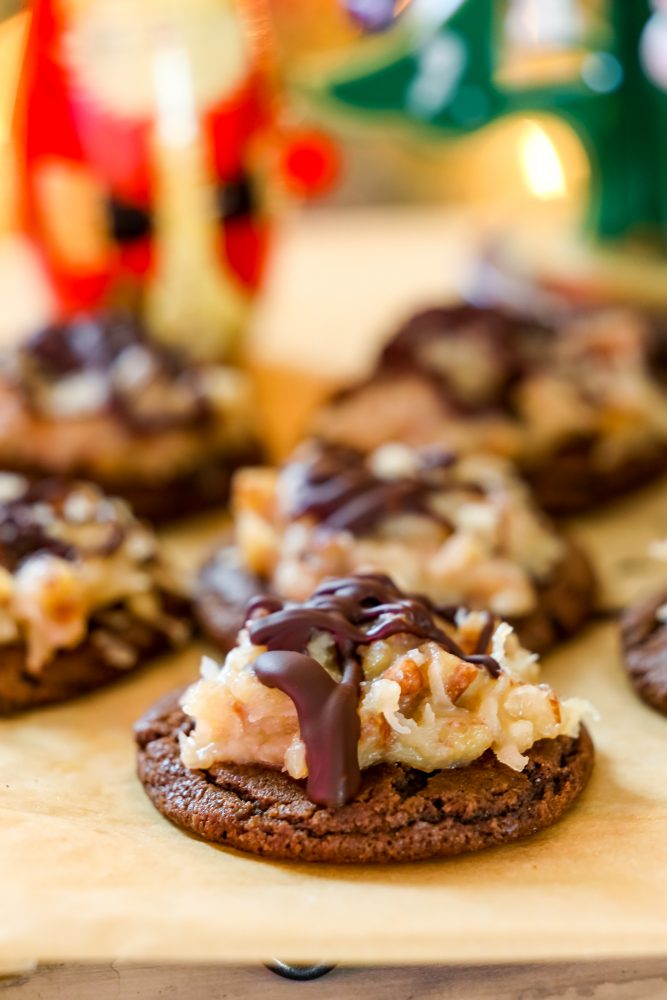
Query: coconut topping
(361,674)
(513,385)
(85,395)
(108,362)
(69,558)
(460,530)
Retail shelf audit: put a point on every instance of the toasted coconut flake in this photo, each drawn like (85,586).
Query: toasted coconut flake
(420,705)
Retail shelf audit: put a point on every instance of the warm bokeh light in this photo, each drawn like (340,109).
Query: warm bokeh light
(541,165)
(536,159)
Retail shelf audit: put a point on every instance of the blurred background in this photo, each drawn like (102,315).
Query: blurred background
(518,158)
(115,113)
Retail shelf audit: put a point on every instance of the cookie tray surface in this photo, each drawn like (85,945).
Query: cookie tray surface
(89,871)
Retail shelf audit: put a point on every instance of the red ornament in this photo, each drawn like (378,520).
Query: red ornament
(311,163)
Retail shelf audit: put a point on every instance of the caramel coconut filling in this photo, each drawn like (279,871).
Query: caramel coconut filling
(66,552)
(400,407)
(97,395)
(599,386)
(462,531)
(480,380)
(101,443)
(425,702)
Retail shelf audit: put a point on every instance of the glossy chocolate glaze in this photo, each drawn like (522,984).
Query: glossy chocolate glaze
(353,611)
(337,487)
(95,344)
(328,720)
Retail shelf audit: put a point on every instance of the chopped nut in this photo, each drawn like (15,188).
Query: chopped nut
(392,461)
(79,506)
(133,367)
(409,678)
(460,679)
(255,489)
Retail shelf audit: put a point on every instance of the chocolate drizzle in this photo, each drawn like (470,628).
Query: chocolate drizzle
(328,720)
(38,521)
(156,388)
(507,335)
(353,611)
(338,488)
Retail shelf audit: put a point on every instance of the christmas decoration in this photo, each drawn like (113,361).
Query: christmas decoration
(441,67)
(155,143)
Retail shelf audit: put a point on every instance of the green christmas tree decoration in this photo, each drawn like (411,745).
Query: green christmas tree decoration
(444,75)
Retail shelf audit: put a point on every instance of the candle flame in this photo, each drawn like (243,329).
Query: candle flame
(540,163)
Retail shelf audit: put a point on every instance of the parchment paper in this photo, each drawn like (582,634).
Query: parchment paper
(90,871)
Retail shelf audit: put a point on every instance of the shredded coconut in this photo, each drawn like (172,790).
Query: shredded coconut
(49,600)
(490,550)
(419,705)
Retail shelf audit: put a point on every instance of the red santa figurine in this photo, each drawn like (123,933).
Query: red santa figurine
(153,136)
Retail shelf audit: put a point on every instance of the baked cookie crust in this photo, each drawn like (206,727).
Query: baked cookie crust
(644,646)
(566,600)
(186,494)
(73,672)
(400,814)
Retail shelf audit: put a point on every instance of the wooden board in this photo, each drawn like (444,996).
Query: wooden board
(620,980)
(90,872)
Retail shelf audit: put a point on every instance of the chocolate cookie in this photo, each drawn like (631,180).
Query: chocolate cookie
(572,482)
(399,813)
(551,393)
(566,600)
(188,493)
(644,647)
(365,724)
(84,595)
(462,531)
(97,398)
(90,665)
(224,590)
